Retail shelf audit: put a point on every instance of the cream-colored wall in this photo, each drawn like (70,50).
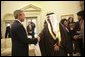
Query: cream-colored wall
(58,7)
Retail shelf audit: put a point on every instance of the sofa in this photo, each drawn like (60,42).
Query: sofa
(6,48)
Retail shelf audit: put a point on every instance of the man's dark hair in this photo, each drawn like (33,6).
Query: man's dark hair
(62,21)
(16,12)
(81,13)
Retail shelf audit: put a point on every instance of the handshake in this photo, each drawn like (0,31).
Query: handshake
(34,40)
(35,37)
(38,38)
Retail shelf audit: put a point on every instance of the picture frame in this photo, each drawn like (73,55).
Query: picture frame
(67,16)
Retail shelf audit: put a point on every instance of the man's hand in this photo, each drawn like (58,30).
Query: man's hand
(75,37)
(56,47)
(77,31)
(36,36)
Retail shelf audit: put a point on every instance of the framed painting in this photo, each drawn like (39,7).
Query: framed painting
(67,16)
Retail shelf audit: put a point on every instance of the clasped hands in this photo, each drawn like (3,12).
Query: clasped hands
(56,47)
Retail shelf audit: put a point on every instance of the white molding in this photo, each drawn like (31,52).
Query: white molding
(31,8)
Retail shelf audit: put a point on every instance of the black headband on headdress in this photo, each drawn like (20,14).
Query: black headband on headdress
(49,14)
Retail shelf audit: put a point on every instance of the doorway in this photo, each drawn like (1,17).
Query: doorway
(34,20)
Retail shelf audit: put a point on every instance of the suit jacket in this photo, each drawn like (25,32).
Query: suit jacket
(7,33)
(81,34)
(19,40)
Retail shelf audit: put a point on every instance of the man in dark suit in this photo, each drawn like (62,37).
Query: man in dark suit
(7,34)
(19,37)
(80,36)
(31,28)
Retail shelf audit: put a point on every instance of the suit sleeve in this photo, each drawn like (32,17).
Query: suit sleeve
(22,36)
